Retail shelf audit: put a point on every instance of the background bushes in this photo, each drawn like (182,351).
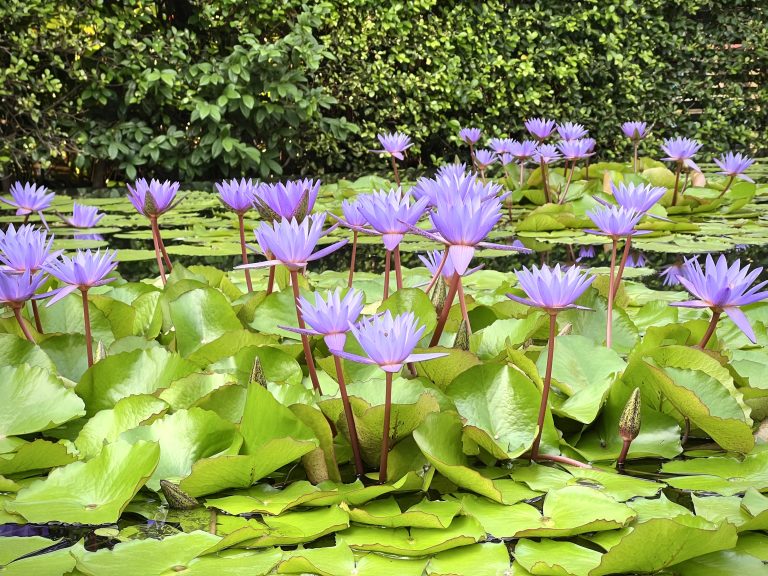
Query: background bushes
(205,89)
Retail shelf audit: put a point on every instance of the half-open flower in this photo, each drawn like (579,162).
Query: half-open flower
(540,127)
(470,135)
(83,216)
(681,150)
(237,195)
(391,214)
(388,341)
(734,165)
(615,221)
(25,248)
(84,270)
(552,289)
(394,144)
(635,130)
(28,198)
(571,131)
(153,198)
(330,317)
(291,199)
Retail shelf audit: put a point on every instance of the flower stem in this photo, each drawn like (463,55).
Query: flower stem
(482,176)
(353,440)
(609,317)
(622,264)
(710,329)
(158,254)
(387,258)
(463,305)
(394,168)
(36,315)
(506,172)
(586,168)
(547,385)
(568,181)
(727,186)
(352,259)
(304,338)
(562,460)
(636,144)
(452,289)
(472,156)
(398,269)
(20,320)
(385,436)
(437,272)
(522,174)
(677,182)
(545,180)
(241,225)
(26,219)
(623,455)
(167,260)
(87,324)
(271,281)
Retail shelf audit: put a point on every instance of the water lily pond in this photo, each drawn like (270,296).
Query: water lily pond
(185,427)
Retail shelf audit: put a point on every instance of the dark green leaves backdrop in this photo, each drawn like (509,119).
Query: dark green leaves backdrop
(193,89)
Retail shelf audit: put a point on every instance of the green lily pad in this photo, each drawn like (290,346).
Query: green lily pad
(556,558)
(463,531)
(442,371)
(722,475)
(749,513)
(93,492)
(387,513)
(266,499)
(340,561)
(412,300)
(54,563)
(15,350)
(477,559)
(33,399)
(298,527)
(492,340)
(725,563)
(37,455)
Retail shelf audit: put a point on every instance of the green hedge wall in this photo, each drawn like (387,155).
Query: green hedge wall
(200,89)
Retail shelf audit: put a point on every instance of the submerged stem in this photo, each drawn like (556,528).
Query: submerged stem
(353,440)
(304,338)
(385,436)
(241,226)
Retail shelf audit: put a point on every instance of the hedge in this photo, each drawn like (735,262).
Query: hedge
(207,89)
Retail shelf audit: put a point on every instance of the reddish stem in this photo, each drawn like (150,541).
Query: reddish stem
(568,181)
(385,437)
(634,156)
(87,324)
(271,281)
(22,324)
(609,319)
(158,254)
(463,306)
(394,168)
(727,186)
(522,174)
(387,257)
(677,182)
(26,219)
(398,269)
(353,440)
(623,456)
(304,338)
(352,260)
(439,271)
(545,179)
(622,264)
(472,155)
(452,289)
(244,252)
(36,315)
(160,242)
(562,460)
(547,384)
(710,329)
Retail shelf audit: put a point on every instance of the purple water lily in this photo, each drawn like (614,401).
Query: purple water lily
(237,195)
(355,221)
(391,213)
(83,271)
(25,248)
(680,151)
(330,317)
(450,188)
(433,259)
(547,154)
(571,131)
(288,200)
(470,135)
(153,199)
(574,149)
(394,144)
(83,216)
(722,288)
(637,197)
(733,166)
(454,170)
(16,290)
(554,290)
(585,252)
(523,151)
(541,128)
(635,260)
(29,198)
(484,158)
(636,130)
(291,243)
(671,274)
(501,145)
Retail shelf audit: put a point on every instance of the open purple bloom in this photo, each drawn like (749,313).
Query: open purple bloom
(589,143)
(154,197)
(681,150)
(553,289)
(571,131)
(330,317)
(237,195)
(82,271)
(454,170)
(389,342)
(635,130)
(470,135)
(394,144)
(25,249)
(353,218)
(291,243)
(84,216)
(734,165)
(546,154)
(723,289)
(540,127)
(29,198)
(291,199)
(637,197)
(391,214)
(506,158)
(484,158)
(523,151)
(672,273)
(16,289)
(615,221)
(574,149)
(451,188)
(432,261)
(502,145)
(585,252)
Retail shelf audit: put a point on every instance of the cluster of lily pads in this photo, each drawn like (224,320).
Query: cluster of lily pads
(224,420)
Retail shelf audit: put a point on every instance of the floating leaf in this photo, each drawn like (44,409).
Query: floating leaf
(340,560)
(722,475)
(425,514)
(37,455)
(266,499)
(477,559)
